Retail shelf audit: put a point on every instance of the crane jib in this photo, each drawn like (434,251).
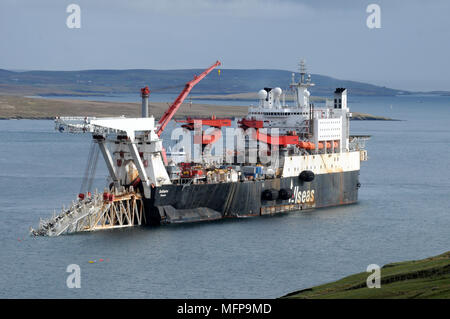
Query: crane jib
(165,119)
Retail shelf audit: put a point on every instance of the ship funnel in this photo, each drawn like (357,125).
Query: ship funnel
(340,98)
(145,92)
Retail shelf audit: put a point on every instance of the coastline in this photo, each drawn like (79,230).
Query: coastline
(425,278)
(19,107)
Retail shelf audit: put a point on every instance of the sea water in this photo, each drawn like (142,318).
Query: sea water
(403,213)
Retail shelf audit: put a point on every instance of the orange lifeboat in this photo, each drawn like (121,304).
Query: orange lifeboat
(307,145)
(282,140)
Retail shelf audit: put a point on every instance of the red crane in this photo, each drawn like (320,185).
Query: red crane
(165,119)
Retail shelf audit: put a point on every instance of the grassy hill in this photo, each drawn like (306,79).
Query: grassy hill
(230,81)
(426,278)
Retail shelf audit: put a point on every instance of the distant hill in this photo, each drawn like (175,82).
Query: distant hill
(230,81)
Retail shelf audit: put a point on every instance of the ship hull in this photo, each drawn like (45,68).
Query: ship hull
(203,202)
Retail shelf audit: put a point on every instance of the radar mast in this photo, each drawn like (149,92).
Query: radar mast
(301,87)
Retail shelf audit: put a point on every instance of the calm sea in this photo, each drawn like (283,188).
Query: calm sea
(403,213)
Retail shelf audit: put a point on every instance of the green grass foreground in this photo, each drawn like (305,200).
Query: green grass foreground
(426,278)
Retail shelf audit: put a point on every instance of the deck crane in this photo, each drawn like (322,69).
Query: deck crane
(165,119)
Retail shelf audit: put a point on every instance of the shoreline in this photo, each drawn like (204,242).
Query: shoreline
(424,278)
(19,107)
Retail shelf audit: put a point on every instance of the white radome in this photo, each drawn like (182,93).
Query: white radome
(277,91)
(262,94)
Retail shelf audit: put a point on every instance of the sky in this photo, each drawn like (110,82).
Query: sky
(410,51)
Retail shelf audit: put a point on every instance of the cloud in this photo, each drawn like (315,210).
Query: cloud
(331,35)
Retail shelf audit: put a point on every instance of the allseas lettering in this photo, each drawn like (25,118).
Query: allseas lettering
(301,197)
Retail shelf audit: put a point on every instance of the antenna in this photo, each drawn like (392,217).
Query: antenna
(305,77)
(302,67)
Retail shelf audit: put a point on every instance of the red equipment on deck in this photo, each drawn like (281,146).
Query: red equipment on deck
(282,140)
(213,121)
(206,139)
(246,123)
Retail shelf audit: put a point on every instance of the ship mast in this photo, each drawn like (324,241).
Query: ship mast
(301,87)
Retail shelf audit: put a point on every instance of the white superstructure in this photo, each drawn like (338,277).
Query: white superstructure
(130,147)
(315,138)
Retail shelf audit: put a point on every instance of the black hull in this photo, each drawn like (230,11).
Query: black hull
(202,202)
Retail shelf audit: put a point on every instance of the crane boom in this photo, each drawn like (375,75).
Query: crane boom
(165,119)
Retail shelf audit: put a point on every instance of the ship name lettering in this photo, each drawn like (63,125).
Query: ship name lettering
(306,196)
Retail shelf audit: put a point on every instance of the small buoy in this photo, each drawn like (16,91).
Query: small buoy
(91,261)
(101,259)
